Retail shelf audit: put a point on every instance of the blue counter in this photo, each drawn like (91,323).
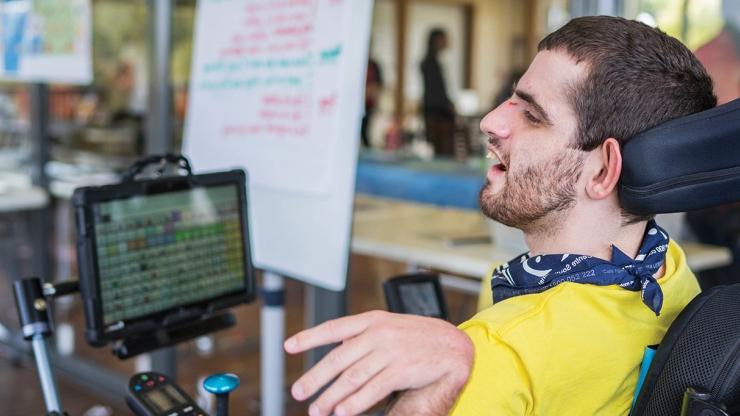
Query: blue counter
(439,182)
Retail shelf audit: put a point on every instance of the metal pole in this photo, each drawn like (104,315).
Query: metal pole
(51,398)
(159,119)
(579,8)
(40,221)
(165,361)
(35,320)
(685,21)
(321,306)
(402,12)
(39,132)
(271,345)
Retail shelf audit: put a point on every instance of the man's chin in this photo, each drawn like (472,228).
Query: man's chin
(488,199)
(490,193)
(493,204)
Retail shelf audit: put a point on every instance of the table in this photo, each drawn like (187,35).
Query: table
(454,240)
(18,194)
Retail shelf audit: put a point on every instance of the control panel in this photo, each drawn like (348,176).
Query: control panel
(154,394)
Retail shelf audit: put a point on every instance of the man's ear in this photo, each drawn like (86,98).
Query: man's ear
(608,167)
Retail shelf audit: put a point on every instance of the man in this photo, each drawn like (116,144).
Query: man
(373,88)
(570,321)
(439,112)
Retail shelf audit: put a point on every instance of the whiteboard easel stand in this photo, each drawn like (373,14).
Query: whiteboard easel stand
(272,361)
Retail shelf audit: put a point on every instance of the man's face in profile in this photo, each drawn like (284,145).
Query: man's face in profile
(532,135)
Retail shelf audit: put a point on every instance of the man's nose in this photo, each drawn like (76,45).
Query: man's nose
(495,122)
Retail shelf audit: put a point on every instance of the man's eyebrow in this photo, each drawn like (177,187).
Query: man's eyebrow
(533,103)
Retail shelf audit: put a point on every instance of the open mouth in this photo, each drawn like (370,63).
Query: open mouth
(493,155)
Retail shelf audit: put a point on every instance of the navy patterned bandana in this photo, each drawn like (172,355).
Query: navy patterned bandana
(525,274)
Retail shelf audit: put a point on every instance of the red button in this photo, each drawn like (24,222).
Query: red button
(150,383)
(161,379)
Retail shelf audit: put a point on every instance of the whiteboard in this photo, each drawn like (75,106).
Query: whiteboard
(277,87)
(46,41)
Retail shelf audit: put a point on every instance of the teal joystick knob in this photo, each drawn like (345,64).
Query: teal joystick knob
(221,385)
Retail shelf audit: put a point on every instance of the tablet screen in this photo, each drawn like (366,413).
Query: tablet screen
(420,299)
(157,252)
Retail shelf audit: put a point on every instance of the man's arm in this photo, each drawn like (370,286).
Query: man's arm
(382,352)
(435,399)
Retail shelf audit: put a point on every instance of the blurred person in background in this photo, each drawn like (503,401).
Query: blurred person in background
(439,112)
(373,87)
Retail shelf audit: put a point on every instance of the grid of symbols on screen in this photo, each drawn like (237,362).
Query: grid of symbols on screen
(161,251)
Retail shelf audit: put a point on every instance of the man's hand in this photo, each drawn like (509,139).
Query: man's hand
(382,352)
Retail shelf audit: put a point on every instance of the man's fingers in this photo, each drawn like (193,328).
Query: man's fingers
(351,380)
(375,390)
(329,332)
(335,362)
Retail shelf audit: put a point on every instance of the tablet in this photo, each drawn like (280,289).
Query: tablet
(156,252)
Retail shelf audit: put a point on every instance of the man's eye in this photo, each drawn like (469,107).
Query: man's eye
(531,118)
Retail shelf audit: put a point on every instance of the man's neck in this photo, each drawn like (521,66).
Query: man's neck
(587,233)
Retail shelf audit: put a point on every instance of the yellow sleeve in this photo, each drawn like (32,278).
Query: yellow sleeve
(499,383)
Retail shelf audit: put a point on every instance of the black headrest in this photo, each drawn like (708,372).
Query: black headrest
(689,163)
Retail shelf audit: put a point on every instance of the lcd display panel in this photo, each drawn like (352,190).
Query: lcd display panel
(156,252)
(420,299)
